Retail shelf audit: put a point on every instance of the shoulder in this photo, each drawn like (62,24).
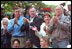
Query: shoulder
(43,24)
(24,19)
(64,17)
(39,19)
(36,17)
(11,20)
(21,16)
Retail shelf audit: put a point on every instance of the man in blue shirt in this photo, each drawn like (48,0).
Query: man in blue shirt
(14,27)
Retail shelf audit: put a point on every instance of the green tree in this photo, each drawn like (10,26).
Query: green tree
(8,5)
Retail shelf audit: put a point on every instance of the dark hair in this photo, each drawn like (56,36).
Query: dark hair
(25,27)
(14,4)
(64,11)
(16,40)
(32,24)
(2,8)
(8,16)
(27,7)
(16,8)
(40,8)
(63,4)
(13,15)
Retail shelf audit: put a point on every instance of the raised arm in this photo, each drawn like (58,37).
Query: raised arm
(36,31)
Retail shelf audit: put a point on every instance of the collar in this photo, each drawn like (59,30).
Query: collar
(32,18)
(60,16)
(19,18)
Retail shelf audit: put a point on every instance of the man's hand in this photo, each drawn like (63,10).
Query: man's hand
(5,28)
(34,28)
(15,22)
(55,19)
(25,19)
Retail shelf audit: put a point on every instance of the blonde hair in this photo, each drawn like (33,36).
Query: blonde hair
(45,38)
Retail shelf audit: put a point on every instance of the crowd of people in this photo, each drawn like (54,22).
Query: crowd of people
(36,28)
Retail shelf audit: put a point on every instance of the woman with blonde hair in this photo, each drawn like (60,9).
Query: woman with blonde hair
(44,42)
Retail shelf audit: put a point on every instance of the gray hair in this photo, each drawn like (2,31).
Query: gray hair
(61,7)
(4,19)
(33,9)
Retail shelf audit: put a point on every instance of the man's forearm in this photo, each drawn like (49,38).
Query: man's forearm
(50,27)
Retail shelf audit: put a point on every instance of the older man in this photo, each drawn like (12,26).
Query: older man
(59,27)
(35,21)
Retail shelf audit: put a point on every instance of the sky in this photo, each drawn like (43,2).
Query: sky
(53,2)
(57,3)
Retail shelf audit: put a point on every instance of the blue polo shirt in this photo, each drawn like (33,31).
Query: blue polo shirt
(15,31)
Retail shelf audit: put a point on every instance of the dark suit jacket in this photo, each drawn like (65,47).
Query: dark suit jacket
(36,22)
(30,33)
(5,39)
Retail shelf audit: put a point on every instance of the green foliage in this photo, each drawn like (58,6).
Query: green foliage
(36,4)
(8,5)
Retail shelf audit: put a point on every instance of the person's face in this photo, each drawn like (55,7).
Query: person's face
(19,4)
(32,12)
(42,43)
(46,19)
(14,6)
(58,11)
(65,12)
(27,11)
(69,8)
(41,9)
(2,11)
(16,44)
(5,23)
(17,13)
(7,16)
(28,44)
